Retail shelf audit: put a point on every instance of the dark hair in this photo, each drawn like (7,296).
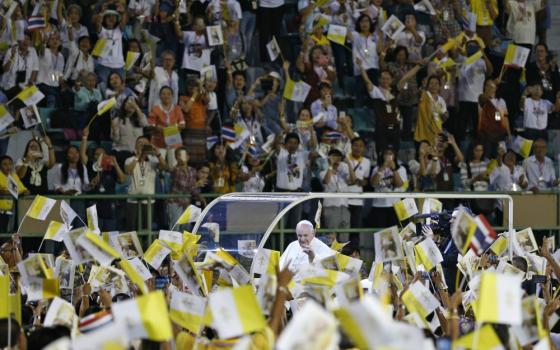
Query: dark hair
(357,139)
(4,157)
(64,167)
(385,70)
(371,24)
(41,337)
(164,88)
(212,156)
(432,77)
(398,50)
(15,330)
(29,143)
(304,109)
(335,152)
(82,38)
(316,47)
(387,148)
(139,60)
(290,136)
(470,151)
(133,118)
(109,79)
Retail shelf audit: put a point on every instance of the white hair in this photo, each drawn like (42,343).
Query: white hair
(305,226)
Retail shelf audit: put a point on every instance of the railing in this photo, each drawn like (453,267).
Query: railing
(147,233)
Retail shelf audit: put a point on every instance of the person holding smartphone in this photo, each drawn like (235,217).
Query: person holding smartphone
(142,169)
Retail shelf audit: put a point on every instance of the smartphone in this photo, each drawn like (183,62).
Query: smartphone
(162,282)
(148,149)
(342,114)
(539,279)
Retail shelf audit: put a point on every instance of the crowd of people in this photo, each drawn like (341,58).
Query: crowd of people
(201,98)
(216,97)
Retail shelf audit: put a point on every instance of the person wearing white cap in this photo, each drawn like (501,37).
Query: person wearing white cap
(305,250)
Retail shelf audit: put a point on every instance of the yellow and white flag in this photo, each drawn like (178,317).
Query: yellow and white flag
(100,250)
(266,261)
(187,310)
(348,264)
(131,58)
(516,55)
(113,337)
(147,317)
(273,49)
(155,254)
(419,299)
(487,339)
(34,266)
(10,304)
(449,45)
(136,272)
(172,239)
(238,310)
(30,95)
(172,136)
(499,246)
(56,231)
(405,208)
(102,47)
(428,254)
(499,300)
(41,207)
(296,91)
(60,312)
(462,230)
(337,34)
(5,118)
(92,220)
(190,214)
(431,205)
(522,146)
(190,276)
(106,105)
(38,289)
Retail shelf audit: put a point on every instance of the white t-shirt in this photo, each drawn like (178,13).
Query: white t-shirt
(51,68)
(535,113)
(406,39)
(163,78)
(143,179)
(521,25)
(296,258)
(74,182)
(142,7)
(290,169)
(271,3)
(364,48)
(337,183)
(77,62)
(76,32)
(254,184)
(330,113)
(195,47)
(115,57)
(28,63)
(471,81)
(361,168)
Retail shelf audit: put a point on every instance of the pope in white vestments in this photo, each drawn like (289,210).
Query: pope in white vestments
(305,250)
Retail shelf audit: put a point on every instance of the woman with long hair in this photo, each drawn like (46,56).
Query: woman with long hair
(71,178)
(126,128)
(32,168)
(223,172)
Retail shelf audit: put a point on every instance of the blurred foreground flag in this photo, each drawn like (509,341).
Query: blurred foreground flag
(146,316)
(190,214)
(406,208)
(487,339)
(30,95)
(238,310)
(55,231)
(187,310)
(500,299)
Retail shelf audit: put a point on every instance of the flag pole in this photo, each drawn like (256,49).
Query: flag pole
(92,119)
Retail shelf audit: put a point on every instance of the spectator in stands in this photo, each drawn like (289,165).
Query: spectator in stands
(195,48)
(194,106)
(449,159)
(110,25)
(79,60)
(21,66)
(315,70)
(104,173)
(486,12)
(361,166)
(507,176)
(51,70)
(521,25)
(117,88)
(446,24)
(142,169)
(323,107)
(267,105)
(544,70)
(432,112)
(137,76)
(366,48)
(269,23)
(235,87)
(7,205)
(87,95)
(72,30)
(223,171)
(303,127)
(164,76)
(251,174)
(204,183)
(493,118)
(474,170)
(411,38)
(71,178)
(540,169)
(126,128)
(425,167)
(407,92)
(32,168)
(536,111)
(389,175)
(336,178)
(163,115)
(183,180)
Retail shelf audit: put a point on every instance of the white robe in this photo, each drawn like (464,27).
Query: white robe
(296,257)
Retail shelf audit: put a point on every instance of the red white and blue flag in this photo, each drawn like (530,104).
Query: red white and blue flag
(483,236)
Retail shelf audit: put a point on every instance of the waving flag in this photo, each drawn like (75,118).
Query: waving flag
(484,235)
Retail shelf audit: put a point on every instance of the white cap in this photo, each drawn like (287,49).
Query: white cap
(305,226)
(274,75)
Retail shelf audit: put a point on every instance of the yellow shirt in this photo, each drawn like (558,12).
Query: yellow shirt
(7,204)
(483,17)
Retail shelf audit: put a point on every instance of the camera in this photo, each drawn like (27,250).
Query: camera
(440,223)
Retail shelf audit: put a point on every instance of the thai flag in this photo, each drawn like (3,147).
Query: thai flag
(211,141)
(228,134)
(333,135)
(483,236)
(36,22)
(253,151)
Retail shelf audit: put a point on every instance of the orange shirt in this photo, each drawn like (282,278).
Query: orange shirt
(158,117)
(196,117)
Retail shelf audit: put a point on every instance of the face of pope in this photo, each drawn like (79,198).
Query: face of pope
(305,236)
